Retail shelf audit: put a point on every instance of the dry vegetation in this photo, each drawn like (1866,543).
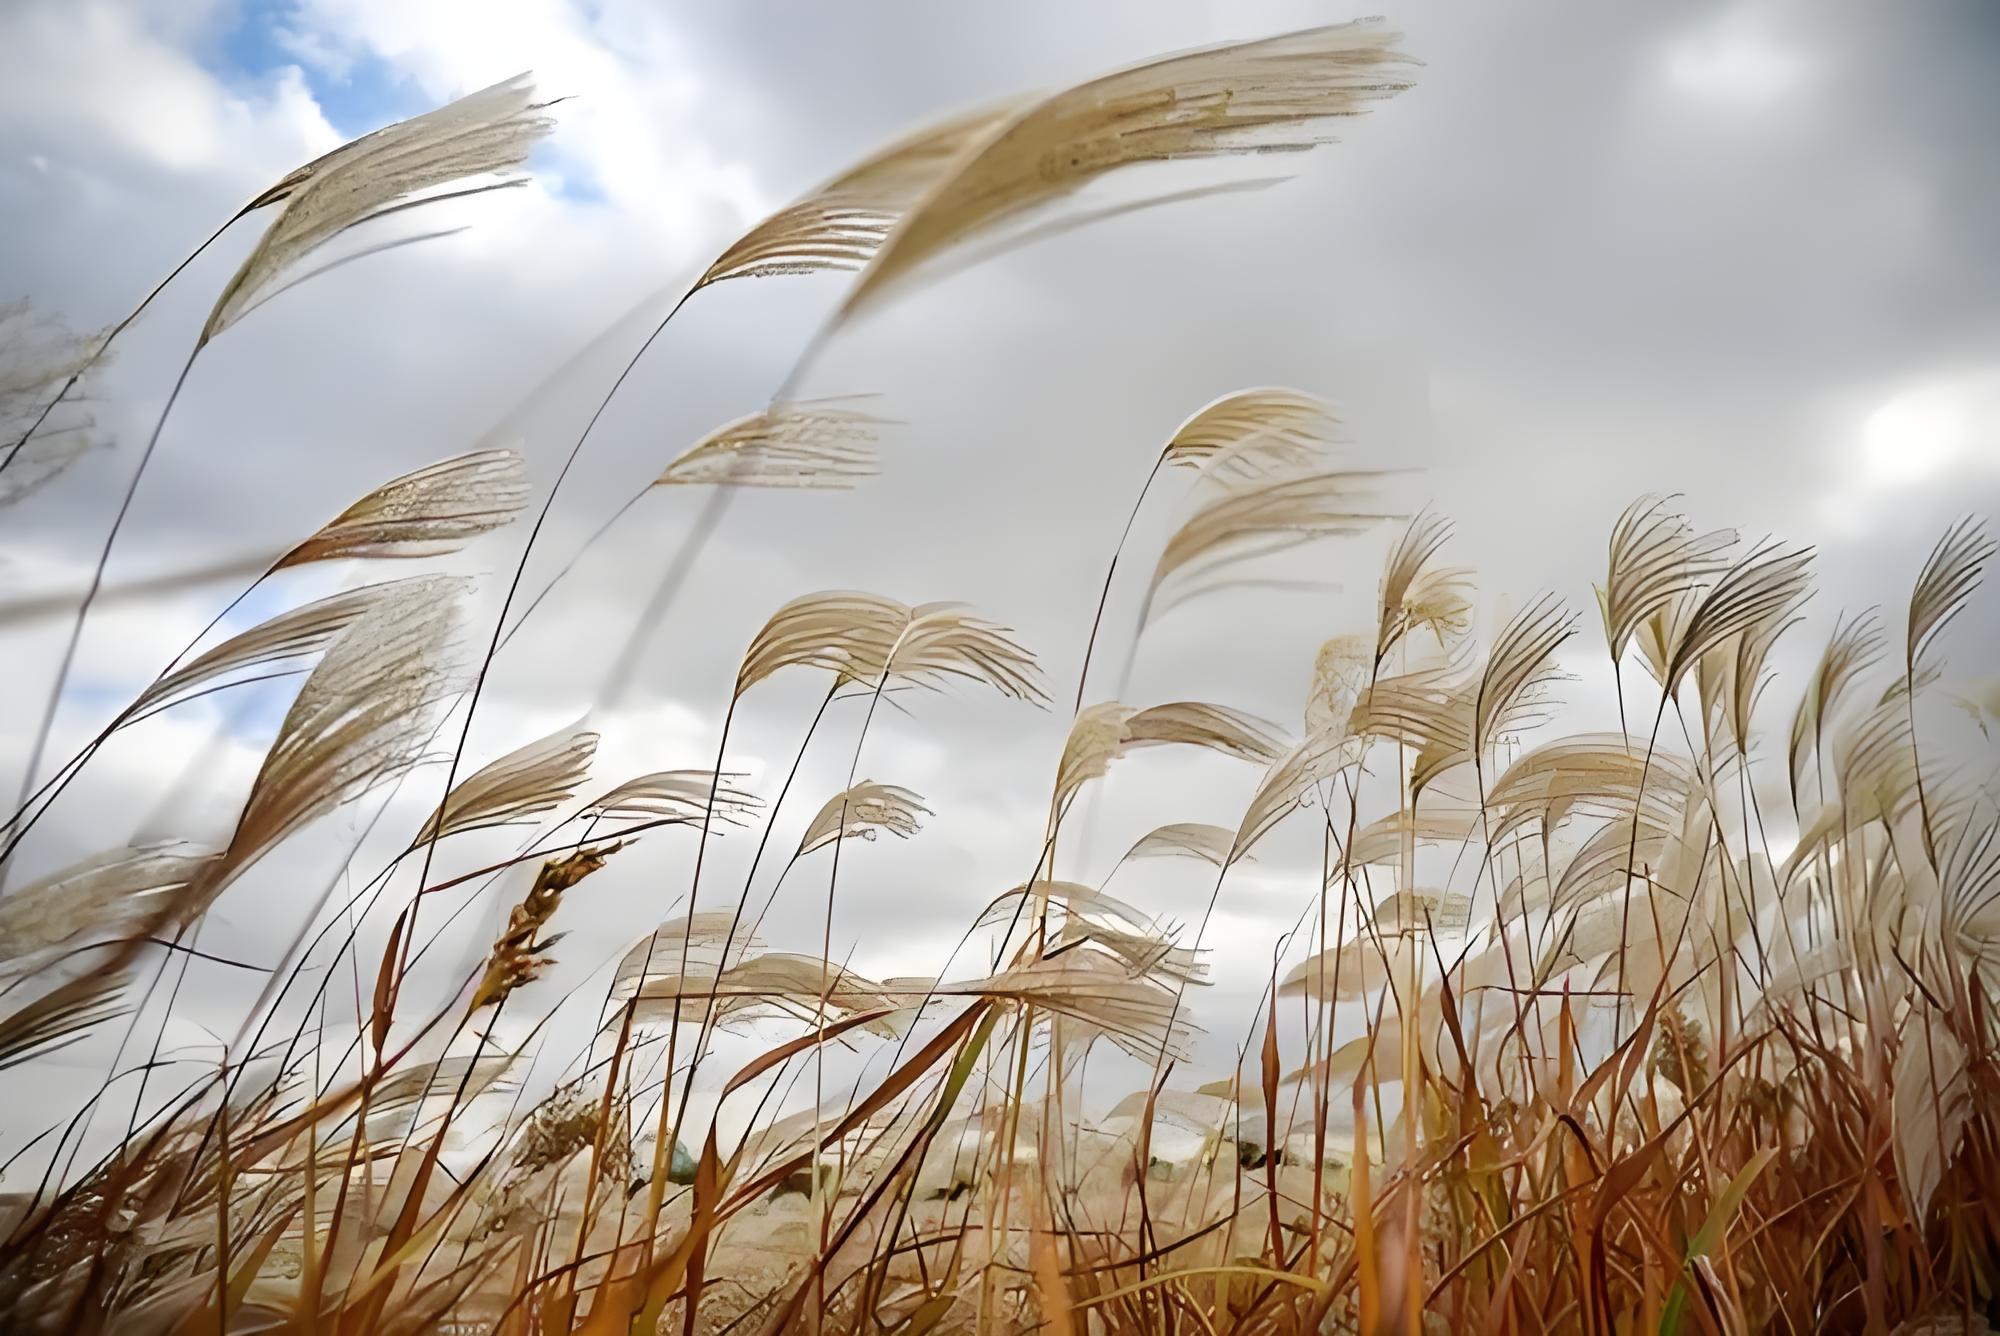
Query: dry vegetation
(1594,1038)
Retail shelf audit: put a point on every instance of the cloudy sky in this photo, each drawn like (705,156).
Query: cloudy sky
(1741,251)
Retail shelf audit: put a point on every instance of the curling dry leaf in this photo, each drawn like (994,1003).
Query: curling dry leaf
(361,719)
(1276,94)
(426,513)
(1247,433)
(1656,560)
(675,796)
(843,223)
(105,895)
(392,168)
(786,445)
(526,783)
(860,811)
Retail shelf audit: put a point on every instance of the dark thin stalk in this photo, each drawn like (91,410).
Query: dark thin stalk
(96,583)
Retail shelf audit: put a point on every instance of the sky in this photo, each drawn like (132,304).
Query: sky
(1739,251)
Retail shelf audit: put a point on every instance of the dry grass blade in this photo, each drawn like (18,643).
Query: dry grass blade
(1748,654)
(482,133)
(1144,952)
(290,635)
(675,795)
(1269,517)
(408,1086)
(526,783)
(871,639)
(1969,890)
(1185,839)
(1932,1104)
(1213,727)
(1949,578)
(1102,733)
(58,1018)
(105,895)
(1851,650)
(360,719)
(786,445)
(862,810)
(1517,667)
(1381,840)
(1609,858)
(1275,94)
(1098,991)
(1096,739)
(1592,775)
(39,359)
(839,631)
(1874,763)
(944,641)
(774,983)
(1341,670)
(1351,969)
(1288,782)
(1415,595)
(426,513)
(844,222)
(1656,559)
(1430,711)
(1248,433)
(701,940)
(1766,582)
(1074,896)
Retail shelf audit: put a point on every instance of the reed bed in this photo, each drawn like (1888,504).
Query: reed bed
(1684,1026)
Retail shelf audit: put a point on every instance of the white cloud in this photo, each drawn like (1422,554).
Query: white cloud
(638,105)
(1734,63)
(103,72)
(1931,434)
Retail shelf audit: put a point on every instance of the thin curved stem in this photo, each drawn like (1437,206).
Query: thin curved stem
(90,595)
